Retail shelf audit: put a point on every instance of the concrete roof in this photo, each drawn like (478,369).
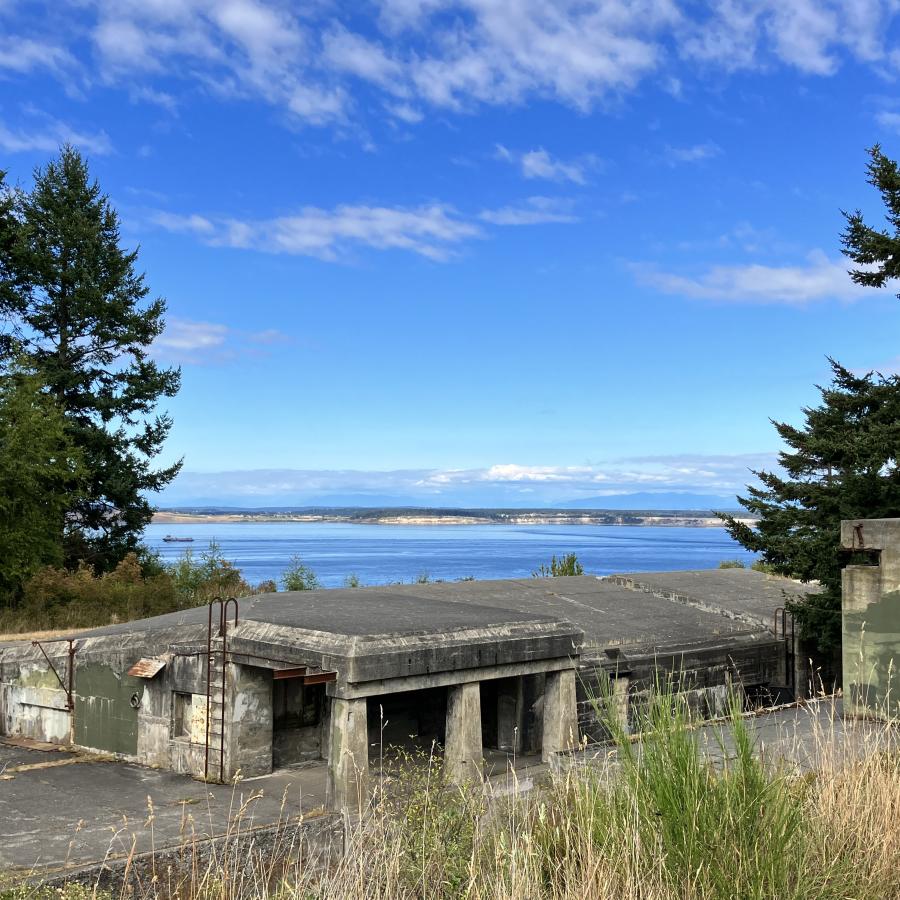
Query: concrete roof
(534,617)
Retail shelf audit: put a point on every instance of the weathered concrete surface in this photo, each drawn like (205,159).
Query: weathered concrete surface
(462,751)
(560,715)
(745,597)
(87,811)
(871,618)
(348,755)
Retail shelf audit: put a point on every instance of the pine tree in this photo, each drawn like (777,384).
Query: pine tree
(40,473)
(77,307)
(842,464)
(878,251)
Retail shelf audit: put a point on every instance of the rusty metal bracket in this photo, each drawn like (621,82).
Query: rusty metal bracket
(858,536)
(69,683)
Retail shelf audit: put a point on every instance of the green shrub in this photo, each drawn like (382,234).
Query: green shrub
(564,566)
(197,581)
(299,577)
(732,564)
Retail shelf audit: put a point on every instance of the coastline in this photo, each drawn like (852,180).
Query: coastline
(701,520)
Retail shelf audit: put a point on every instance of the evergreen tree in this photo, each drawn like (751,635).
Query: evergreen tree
(77,307)
(12,282)
(40,472)
(878,251)
(842,464)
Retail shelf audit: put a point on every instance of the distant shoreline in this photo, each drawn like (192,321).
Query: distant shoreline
(702,519)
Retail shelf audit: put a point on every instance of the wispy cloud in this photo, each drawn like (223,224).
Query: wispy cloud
(820,278)
(693,153)
(720,475)
(888,120)
(190,342)
(540,164)
(451,54)
(435,231)
(48,135)
(20,54)
(533,211)
(431,231)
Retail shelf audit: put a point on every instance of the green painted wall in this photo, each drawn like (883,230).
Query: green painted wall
(104,719)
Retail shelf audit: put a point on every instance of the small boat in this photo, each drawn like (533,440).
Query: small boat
(174,539)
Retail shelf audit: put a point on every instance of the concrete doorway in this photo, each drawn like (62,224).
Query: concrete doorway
(297,721)
(409,721)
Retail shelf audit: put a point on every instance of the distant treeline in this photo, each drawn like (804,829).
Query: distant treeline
(369,513)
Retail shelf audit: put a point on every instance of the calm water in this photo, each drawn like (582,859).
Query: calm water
(380,554)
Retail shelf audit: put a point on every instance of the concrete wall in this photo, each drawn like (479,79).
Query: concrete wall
(871,617)
(248,721)
(703,674)
(32,703)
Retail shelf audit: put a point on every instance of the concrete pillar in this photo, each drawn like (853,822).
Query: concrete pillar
(462,746)
(509,715)
(620,701)
(348,756)
(247,719)
(560,714)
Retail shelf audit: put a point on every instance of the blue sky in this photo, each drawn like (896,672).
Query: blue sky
(478,252)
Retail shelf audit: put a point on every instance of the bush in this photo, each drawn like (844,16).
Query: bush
(199,581)
(564,566)
(299,577)
(57,598)
(139,586)
(732,564)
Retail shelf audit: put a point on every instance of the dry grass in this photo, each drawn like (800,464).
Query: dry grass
(39,635)
(656,820)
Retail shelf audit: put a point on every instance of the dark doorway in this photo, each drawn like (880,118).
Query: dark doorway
(297,712)
(410,720)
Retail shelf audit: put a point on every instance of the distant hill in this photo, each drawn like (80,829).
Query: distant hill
(647,500)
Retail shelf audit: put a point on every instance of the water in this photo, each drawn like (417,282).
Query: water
(380,554)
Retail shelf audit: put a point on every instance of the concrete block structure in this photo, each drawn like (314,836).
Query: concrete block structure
(499,668)
(870,617)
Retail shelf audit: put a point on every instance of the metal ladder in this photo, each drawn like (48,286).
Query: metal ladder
(216,659)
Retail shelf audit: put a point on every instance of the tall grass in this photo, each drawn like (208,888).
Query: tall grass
(654,819)
(659,818)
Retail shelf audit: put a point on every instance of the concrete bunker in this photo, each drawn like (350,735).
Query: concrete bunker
(495,670)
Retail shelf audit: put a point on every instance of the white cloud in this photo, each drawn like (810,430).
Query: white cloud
(49,136)
(344,51)
(820,279)
(431,231)
(20,54)
(809,35)
(493,484)
(534,211)
(455,54)
(692,153)
(190,224)
(540,164)
(889,120)
(186,341)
